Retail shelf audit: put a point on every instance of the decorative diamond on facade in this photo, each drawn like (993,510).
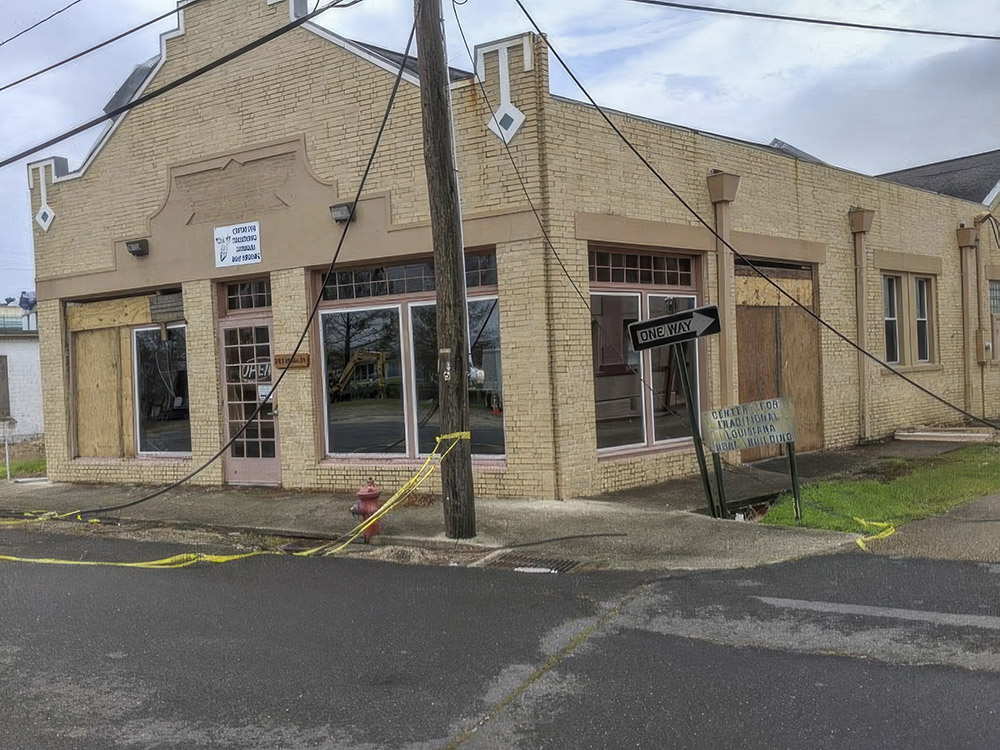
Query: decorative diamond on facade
(44,217)
(506,121)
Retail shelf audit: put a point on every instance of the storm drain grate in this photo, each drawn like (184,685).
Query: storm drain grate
(532,563)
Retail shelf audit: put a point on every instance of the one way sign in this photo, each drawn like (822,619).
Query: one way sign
(671,329)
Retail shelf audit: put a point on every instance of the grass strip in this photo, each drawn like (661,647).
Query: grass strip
(909,491)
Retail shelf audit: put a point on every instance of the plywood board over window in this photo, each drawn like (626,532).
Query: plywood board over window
(97,368)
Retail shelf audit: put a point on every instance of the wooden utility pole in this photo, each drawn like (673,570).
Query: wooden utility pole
(449,268)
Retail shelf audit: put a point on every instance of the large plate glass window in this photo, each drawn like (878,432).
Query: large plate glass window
(638,396)
(485,400)
(618,392)
(363,371)
(163,422)
(670,417)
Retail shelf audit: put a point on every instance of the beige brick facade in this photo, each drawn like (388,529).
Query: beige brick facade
(285,132)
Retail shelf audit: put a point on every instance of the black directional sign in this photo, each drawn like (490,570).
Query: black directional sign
(670,329)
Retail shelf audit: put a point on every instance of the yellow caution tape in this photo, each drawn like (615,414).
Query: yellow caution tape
(184,560)
(886,529)
(167,563)
(34,516)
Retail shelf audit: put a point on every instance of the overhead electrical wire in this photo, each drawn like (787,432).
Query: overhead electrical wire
(835,331)
(312,312)
(38,23)
(96,47)
(166,88)
(817,21)
(548,241)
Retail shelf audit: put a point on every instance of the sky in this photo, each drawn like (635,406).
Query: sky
(863,100)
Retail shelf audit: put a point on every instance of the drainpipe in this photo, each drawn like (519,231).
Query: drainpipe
(861,222)
(722,187)
(968,241)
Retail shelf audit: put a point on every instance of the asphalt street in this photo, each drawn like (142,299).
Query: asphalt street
(849,650)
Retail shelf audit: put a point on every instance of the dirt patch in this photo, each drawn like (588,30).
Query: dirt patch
(887,470)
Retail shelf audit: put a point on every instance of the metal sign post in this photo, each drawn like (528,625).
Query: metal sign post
(675,330)
(695,428)
(759,423)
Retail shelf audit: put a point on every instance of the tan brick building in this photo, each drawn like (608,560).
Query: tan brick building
(178,264)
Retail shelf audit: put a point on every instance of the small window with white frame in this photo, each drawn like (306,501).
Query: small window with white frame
(908,315)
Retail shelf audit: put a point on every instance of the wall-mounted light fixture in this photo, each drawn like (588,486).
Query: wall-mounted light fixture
(138,248)
(342,212)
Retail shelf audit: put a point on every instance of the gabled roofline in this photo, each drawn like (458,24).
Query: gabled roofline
(59,165)
(992,195)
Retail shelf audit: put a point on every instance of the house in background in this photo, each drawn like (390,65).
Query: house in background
(178,263)
(20,372)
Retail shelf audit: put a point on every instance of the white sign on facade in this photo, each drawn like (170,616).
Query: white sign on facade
(237,245)
(759,423)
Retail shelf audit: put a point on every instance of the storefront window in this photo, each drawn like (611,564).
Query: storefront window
(364,393)
(485,401)
(618,392)
(638,396)
(163,423)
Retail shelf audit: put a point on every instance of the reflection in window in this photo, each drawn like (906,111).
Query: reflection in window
(485,401)
(161,391)
(670,417)
(364,381)
(617,387)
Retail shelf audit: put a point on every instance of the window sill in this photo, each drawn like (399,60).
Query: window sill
(929,367)
(487,463)
(166,458)
(681,445)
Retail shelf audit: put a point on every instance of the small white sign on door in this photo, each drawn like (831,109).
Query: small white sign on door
(237,245)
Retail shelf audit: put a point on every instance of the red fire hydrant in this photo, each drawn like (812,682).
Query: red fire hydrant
(366,506)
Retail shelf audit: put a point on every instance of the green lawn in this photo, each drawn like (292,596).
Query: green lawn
(26,467)
(904,491)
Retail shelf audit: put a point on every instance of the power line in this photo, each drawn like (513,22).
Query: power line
(548,241)
(736,252)
(38,23)
(180,81)
(96,47)
(816,21)
(312,312)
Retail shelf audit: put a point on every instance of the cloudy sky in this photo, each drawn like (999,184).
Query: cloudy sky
(864,100)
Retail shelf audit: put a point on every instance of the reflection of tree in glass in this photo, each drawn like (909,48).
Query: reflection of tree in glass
(161,370)
(344,333)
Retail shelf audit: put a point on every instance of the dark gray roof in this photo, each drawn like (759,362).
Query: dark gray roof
(395,58)
(788,148)
(132,84)
(970,178)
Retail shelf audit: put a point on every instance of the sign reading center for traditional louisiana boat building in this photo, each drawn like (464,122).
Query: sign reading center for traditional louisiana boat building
(237,245)
(767,422)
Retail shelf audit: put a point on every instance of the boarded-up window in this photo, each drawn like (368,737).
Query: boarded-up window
(98,390)
(4,389)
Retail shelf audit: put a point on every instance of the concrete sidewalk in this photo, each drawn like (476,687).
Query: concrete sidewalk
(656,528)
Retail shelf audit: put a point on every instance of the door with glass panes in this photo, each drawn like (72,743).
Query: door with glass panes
(247,377)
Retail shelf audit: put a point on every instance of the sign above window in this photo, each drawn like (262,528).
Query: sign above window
(237,245)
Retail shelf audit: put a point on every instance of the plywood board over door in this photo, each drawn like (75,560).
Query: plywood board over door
(757,351)
(97,382)
(778,349)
